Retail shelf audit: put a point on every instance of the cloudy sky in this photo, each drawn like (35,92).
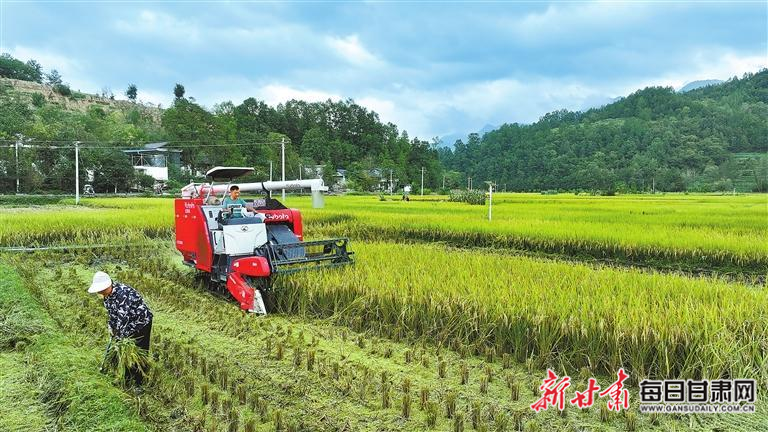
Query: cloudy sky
(431,68)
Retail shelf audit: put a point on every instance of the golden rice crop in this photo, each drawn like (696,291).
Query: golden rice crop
(693,232)
(561,314)
(727,233)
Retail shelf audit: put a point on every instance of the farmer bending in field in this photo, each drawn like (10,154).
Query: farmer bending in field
(128,316)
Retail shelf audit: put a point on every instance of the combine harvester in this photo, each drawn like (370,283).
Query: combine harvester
(243,253)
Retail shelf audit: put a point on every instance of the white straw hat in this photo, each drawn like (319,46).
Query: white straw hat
(101,281)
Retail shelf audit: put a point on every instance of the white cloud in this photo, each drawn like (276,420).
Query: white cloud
(423,113)
(515,100)
(265,35)
(723,65)
(702,64)
(568,20)
(72,71)
(154,97)
(236,88)
(48,59)
(75,73)
(160,25)
(386,109)
(350,49)
(397,109)
(278,93)
(468,106)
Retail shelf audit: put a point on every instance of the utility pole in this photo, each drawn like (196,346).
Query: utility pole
(391,188)
(77,172)
(422,181)
(270,170)
(282,157)
(300,171)
(443,181)
(18,142)
(490,199)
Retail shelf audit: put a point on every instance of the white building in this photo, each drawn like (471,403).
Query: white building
(153,160)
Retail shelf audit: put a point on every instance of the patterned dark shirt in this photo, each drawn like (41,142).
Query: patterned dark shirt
(127,311)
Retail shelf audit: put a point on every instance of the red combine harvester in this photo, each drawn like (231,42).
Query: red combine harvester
(243,253)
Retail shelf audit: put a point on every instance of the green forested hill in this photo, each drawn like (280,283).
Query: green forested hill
(49,117)
(713,138)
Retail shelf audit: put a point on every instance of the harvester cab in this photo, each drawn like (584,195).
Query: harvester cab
(241,249)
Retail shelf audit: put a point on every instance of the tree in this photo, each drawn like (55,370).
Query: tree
(190,125)
(144,181)
(13,68)
(106,93)
(178,91)
(132,92)
(35,71)
(760,172)
(329,174)
(53,78)
(15,115)
(112,170)
(453,180)
(315,145)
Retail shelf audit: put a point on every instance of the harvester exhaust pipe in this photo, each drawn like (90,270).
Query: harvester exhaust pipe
(317,199)
(315,185)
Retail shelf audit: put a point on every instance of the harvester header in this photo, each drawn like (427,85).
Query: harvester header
(241,247)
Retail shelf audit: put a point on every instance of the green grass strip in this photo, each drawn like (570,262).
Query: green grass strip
(22,408)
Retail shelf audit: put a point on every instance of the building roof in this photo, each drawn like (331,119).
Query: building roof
(157,147)
(220,173)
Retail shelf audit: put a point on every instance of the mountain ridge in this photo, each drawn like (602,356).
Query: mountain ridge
(693,85)
(712,138)
(447,141)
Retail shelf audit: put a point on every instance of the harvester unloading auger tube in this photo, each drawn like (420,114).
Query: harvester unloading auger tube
(243,253)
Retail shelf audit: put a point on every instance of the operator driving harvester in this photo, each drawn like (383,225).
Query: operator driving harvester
(242,247)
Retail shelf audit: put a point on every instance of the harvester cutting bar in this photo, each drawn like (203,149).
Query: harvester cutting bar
(293,257)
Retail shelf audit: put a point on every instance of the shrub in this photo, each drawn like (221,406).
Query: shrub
(38,100)
(62,89)
(473,196)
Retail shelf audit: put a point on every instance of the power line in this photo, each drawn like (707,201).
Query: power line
(134,143)
(74,247)
(127,146)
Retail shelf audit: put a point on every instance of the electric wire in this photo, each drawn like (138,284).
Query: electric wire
(133,146)
(74,247)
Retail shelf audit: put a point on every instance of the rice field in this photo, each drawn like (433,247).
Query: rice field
(568,316)
(728,234)
(446,321)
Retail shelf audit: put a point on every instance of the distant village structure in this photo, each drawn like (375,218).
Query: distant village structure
(153,160)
